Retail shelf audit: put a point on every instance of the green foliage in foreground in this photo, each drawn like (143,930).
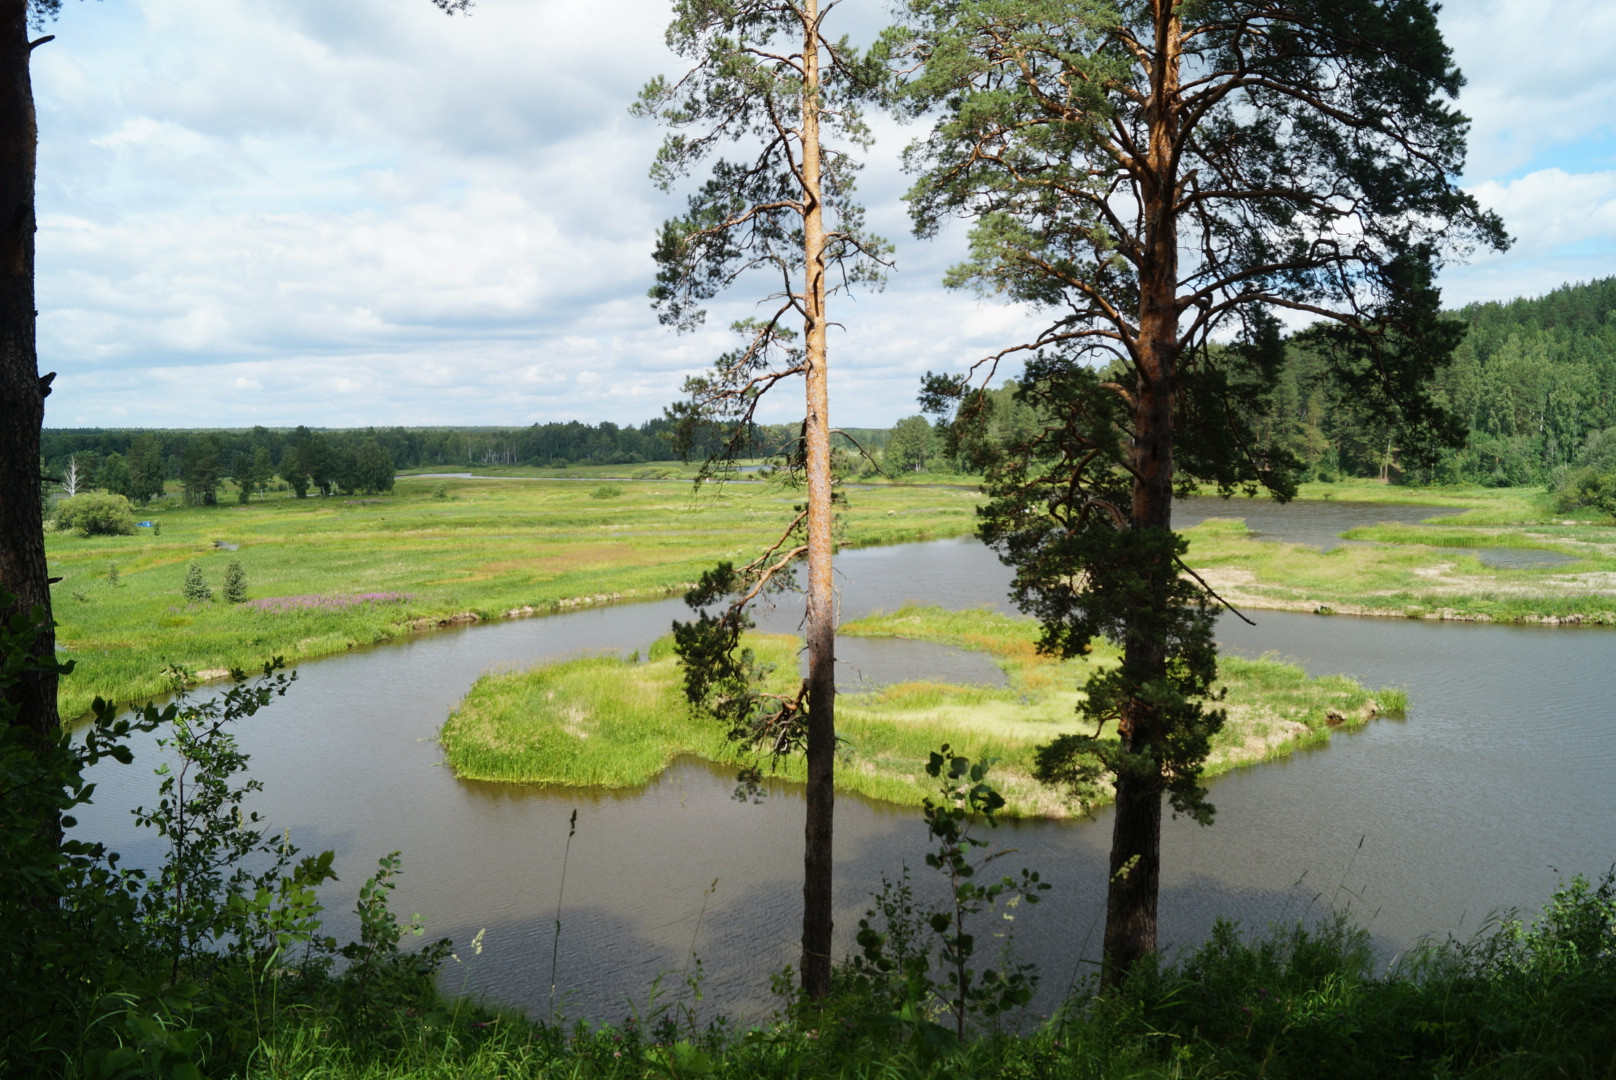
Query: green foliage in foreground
(609,722)
(108,972)
(1305,1002)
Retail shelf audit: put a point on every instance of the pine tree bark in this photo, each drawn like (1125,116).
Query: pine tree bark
(22,395)
(1135,866)
(821,615)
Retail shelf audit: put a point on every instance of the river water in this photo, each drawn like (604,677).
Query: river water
(1497,784)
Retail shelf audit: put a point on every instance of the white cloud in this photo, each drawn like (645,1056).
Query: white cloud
(1550,209)
(1564,229)
(1539,78)
(288,211)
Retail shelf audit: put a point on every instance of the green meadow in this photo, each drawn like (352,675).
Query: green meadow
(354,571)
(434,552)
(612,722)
(1429,570)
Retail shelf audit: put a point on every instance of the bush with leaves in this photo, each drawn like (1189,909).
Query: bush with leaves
(69,911)
(96,513)
(119,973)
(896,962)
(383,980)
(198,906)
(1587,489)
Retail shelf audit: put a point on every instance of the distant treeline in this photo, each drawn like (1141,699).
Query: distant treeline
(571,443)
(136,462)
(1534,381)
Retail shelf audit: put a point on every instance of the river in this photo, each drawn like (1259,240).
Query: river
(1497,783)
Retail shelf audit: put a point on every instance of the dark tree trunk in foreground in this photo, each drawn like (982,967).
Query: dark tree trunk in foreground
(22,395)
(1135,865)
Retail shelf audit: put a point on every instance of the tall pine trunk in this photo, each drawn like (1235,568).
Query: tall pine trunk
(1135,865)
(821,616)
(22,396)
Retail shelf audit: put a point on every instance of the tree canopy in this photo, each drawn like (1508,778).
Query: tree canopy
(1166,179)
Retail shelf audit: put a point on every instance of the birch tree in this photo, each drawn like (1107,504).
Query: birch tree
(768,114)
(1164,178)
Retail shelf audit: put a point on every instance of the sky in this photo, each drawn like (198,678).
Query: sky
(364,212)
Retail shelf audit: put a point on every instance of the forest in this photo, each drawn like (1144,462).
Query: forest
(1533,380)
(257,454)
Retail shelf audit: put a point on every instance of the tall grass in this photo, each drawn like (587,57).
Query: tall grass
(608,722)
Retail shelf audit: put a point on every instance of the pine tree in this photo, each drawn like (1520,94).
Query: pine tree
(235,582)
(1164,179)
(776,101)
(196,589)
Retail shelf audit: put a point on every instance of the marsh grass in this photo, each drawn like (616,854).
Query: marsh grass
(1503,505)
(609,722)
(487,549)
(1403,574)
(601,722)
(492,549)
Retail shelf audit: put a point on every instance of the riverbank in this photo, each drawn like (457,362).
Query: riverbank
(617,723)
(328,575)
(1525,999)
(1493,563)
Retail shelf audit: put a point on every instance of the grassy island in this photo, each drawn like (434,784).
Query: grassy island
(612,722)
(327,575)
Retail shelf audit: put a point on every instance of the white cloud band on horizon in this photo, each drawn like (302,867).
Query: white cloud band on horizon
(377,214)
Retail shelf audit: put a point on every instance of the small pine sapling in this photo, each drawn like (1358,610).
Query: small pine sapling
(195,589)
(235,582)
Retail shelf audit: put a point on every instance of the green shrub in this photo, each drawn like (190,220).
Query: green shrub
(196,589)
(606,491)
(235,582)
(96,514)
(1587,488)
